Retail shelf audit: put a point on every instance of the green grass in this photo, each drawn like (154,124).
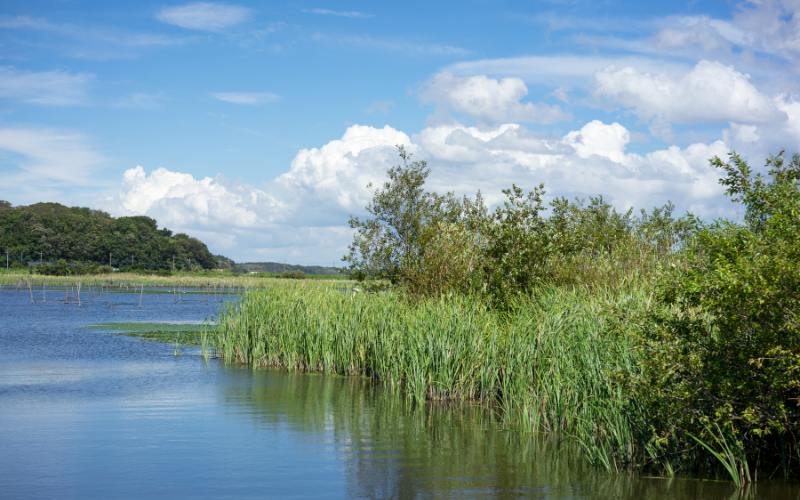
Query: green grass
(184,334)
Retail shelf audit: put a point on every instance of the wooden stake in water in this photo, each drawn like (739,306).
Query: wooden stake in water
(140,295)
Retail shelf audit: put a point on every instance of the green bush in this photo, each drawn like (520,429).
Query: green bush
(294,275)
(720,353)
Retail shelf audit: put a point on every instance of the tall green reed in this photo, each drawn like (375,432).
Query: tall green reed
(548,367)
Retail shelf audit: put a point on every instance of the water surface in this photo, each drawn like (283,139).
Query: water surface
(84,414)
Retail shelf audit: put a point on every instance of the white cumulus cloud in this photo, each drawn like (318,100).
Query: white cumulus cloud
(711,92)
(596,138)
(337,174)
(488,100)
(204,16)
(586,162)
(179,199)
(302,214)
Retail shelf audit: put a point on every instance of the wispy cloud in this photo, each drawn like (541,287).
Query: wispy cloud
(249,98)
(142,100)
(326,12)
(50,155)
(204,16)
(20,22)
(52,88)
(393,45)
(113,35)
(382,106)
(84,41)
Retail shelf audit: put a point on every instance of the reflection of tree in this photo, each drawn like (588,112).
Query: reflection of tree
(393,448)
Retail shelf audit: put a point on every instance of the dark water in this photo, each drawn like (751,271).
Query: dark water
(84,414)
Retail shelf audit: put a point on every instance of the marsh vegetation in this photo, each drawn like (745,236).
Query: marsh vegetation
(657,343)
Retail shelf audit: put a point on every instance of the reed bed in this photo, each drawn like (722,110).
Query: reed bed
(131,281)
(548,368)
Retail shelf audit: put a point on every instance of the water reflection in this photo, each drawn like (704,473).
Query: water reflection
(391,448)
(86,415)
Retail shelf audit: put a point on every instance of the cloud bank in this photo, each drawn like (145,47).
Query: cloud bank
(302,215)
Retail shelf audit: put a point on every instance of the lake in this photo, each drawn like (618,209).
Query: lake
(85,414)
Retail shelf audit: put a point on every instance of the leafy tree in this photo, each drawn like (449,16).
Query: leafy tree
(516,245)
(391,244)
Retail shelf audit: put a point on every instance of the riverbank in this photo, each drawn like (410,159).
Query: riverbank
(224,281)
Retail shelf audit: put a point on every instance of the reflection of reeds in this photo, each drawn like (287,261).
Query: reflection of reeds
(392,447)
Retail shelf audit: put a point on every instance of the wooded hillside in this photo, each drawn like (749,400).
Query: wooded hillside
(80,234)
(277,268)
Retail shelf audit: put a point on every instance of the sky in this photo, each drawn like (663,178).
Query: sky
(257,126)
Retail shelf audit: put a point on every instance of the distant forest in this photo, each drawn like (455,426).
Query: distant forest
(277,268)
(83,235)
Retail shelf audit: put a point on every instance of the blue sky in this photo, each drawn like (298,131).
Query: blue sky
(257,127)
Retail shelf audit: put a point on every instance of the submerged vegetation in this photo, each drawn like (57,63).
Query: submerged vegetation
(657,343)
(180,333)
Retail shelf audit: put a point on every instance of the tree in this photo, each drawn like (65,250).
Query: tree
(391,244)
(516,245)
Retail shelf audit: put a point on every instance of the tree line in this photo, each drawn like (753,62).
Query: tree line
(52,232)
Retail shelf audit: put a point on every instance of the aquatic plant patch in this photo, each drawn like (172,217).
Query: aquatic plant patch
(182,333)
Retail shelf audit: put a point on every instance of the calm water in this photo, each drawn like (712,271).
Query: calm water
(84,414)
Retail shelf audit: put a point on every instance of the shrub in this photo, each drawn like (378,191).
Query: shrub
(294,275)
(722,353)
